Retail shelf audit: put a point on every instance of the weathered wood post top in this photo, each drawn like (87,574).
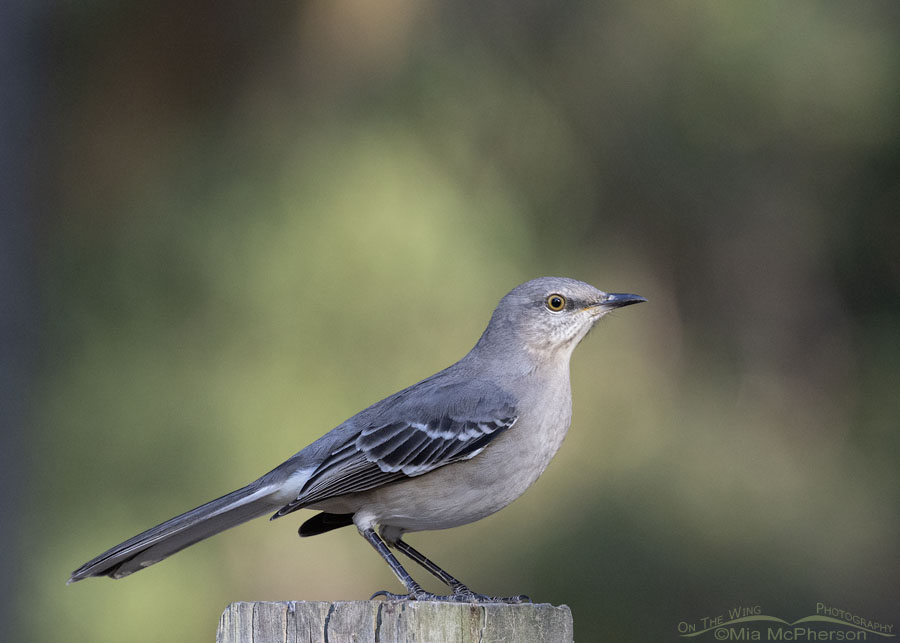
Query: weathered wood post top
(394,622)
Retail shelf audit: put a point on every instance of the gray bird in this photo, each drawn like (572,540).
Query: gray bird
(450,450)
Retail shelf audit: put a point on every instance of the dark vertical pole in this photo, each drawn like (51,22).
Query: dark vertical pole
(18,59)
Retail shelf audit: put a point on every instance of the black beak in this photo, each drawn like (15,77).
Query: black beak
(617,300)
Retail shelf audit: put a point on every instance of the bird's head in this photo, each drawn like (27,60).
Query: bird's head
(550,315)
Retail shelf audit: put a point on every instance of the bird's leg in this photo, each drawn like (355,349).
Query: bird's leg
(415,590)
(460,591)
(437,572)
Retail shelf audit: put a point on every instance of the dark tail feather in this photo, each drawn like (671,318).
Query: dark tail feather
(322,522)
(182,531)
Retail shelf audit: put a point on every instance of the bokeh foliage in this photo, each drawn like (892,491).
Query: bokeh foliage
(257,219)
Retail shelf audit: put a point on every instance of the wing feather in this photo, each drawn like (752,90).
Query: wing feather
(387,451)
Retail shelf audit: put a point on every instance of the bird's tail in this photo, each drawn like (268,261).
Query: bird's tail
(182,531)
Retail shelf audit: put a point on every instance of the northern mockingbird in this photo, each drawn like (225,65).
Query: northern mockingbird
(452,449)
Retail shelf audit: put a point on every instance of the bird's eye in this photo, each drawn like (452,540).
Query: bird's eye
(556,303)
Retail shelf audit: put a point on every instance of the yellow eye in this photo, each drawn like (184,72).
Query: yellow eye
(556,303)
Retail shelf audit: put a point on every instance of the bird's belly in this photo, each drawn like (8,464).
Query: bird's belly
(467,491)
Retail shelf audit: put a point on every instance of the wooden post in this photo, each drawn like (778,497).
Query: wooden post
(393,622)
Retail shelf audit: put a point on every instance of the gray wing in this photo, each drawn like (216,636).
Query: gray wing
(457,423)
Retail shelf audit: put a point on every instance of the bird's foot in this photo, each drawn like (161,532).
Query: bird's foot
(420,595)
(459,595)
(465,595)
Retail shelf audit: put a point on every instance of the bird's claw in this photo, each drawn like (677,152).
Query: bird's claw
(472,597)
(420,595)
(389,596)
(465,595)
(458,596)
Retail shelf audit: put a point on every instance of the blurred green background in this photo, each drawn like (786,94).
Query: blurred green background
(249,221)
